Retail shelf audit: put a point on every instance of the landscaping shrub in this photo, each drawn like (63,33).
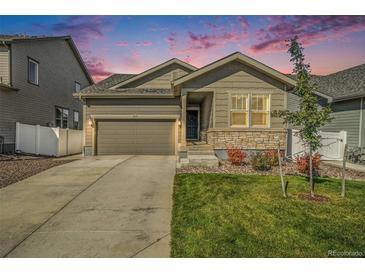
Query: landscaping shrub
(303,163)
(260,161)
(273,156)
(236,156)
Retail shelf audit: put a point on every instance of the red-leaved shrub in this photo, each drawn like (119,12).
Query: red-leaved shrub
(236,156)
(303,163)
(273,156)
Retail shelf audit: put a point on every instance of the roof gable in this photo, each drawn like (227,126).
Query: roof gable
(237,56)
(155,69)
(8,39)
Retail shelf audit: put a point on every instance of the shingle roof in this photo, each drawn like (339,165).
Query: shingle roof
(343,84)
(340,85)
(103,87)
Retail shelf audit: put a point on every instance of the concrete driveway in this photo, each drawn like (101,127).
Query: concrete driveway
(110,206)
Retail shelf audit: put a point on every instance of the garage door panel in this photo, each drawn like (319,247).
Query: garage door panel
(141,137)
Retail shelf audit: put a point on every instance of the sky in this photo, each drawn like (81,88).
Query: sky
(132,44)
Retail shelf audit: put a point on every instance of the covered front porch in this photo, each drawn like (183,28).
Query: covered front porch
(196,117)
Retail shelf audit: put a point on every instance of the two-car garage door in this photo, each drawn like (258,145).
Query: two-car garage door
(141,137)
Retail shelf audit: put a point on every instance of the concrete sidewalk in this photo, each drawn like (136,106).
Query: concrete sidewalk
(122,210)
(352,166)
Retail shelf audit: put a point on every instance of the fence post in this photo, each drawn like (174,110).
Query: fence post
(343,137)
(281,172)
(344,170)
(37,139)
(67,132)
(17,136)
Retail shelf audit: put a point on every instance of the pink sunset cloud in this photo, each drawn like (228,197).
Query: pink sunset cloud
(311,30)
(122,44)
(198,48)
(85,30)
(134,62)
(97,68)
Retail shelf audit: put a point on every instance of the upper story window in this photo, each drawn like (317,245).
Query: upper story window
(62,117)
(250,110)
(76,120)
(33,67)
(77,86)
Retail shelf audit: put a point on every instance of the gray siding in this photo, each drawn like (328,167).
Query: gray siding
(128,106)
(346,116)
(236,77)
(58,71)
(293,102)
(4,66)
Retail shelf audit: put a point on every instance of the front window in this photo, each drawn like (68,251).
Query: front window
(260,110)
(76,119)
(250,110)
(61,117)
(239,110)
(77,86)
(33,71)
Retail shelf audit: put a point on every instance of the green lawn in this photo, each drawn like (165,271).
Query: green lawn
(220,215)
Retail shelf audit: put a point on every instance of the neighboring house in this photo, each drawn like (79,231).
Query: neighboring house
(346,92)
(38,76)
(225,104)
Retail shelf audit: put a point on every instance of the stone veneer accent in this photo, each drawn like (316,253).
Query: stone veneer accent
(246,138)
(203,136)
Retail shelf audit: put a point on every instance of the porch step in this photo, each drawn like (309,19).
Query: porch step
(201,152)
(200,147)
(201,161)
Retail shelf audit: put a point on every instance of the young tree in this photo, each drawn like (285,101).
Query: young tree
(310,117)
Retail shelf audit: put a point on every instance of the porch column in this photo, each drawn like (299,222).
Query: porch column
(183,119)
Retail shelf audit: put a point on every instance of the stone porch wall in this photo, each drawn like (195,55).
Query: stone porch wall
(203,136)
(247,138)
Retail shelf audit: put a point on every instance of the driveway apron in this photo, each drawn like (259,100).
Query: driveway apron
(124,212)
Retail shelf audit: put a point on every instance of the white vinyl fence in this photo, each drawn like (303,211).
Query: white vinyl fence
(47,140)
(333,144)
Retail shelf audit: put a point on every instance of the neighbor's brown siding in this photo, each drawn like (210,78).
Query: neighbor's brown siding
(236,77)
(123,107)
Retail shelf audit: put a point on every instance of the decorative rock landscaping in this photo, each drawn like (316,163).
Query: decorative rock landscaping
(289,168)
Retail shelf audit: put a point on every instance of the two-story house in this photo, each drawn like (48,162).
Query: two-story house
(38,76)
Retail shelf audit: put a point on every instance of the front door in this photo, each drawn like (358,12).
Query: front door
(192,118)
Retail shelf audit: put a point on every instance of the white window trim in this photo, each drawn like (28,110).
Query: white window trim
(77,83)
(262,111)
(61,119)
(239,110)
(249,94)
(30,60)
(78,119)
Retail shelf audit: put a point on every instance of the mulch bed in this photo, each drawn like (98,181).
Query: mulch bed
(16,168)
(289,168)
(317,198)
